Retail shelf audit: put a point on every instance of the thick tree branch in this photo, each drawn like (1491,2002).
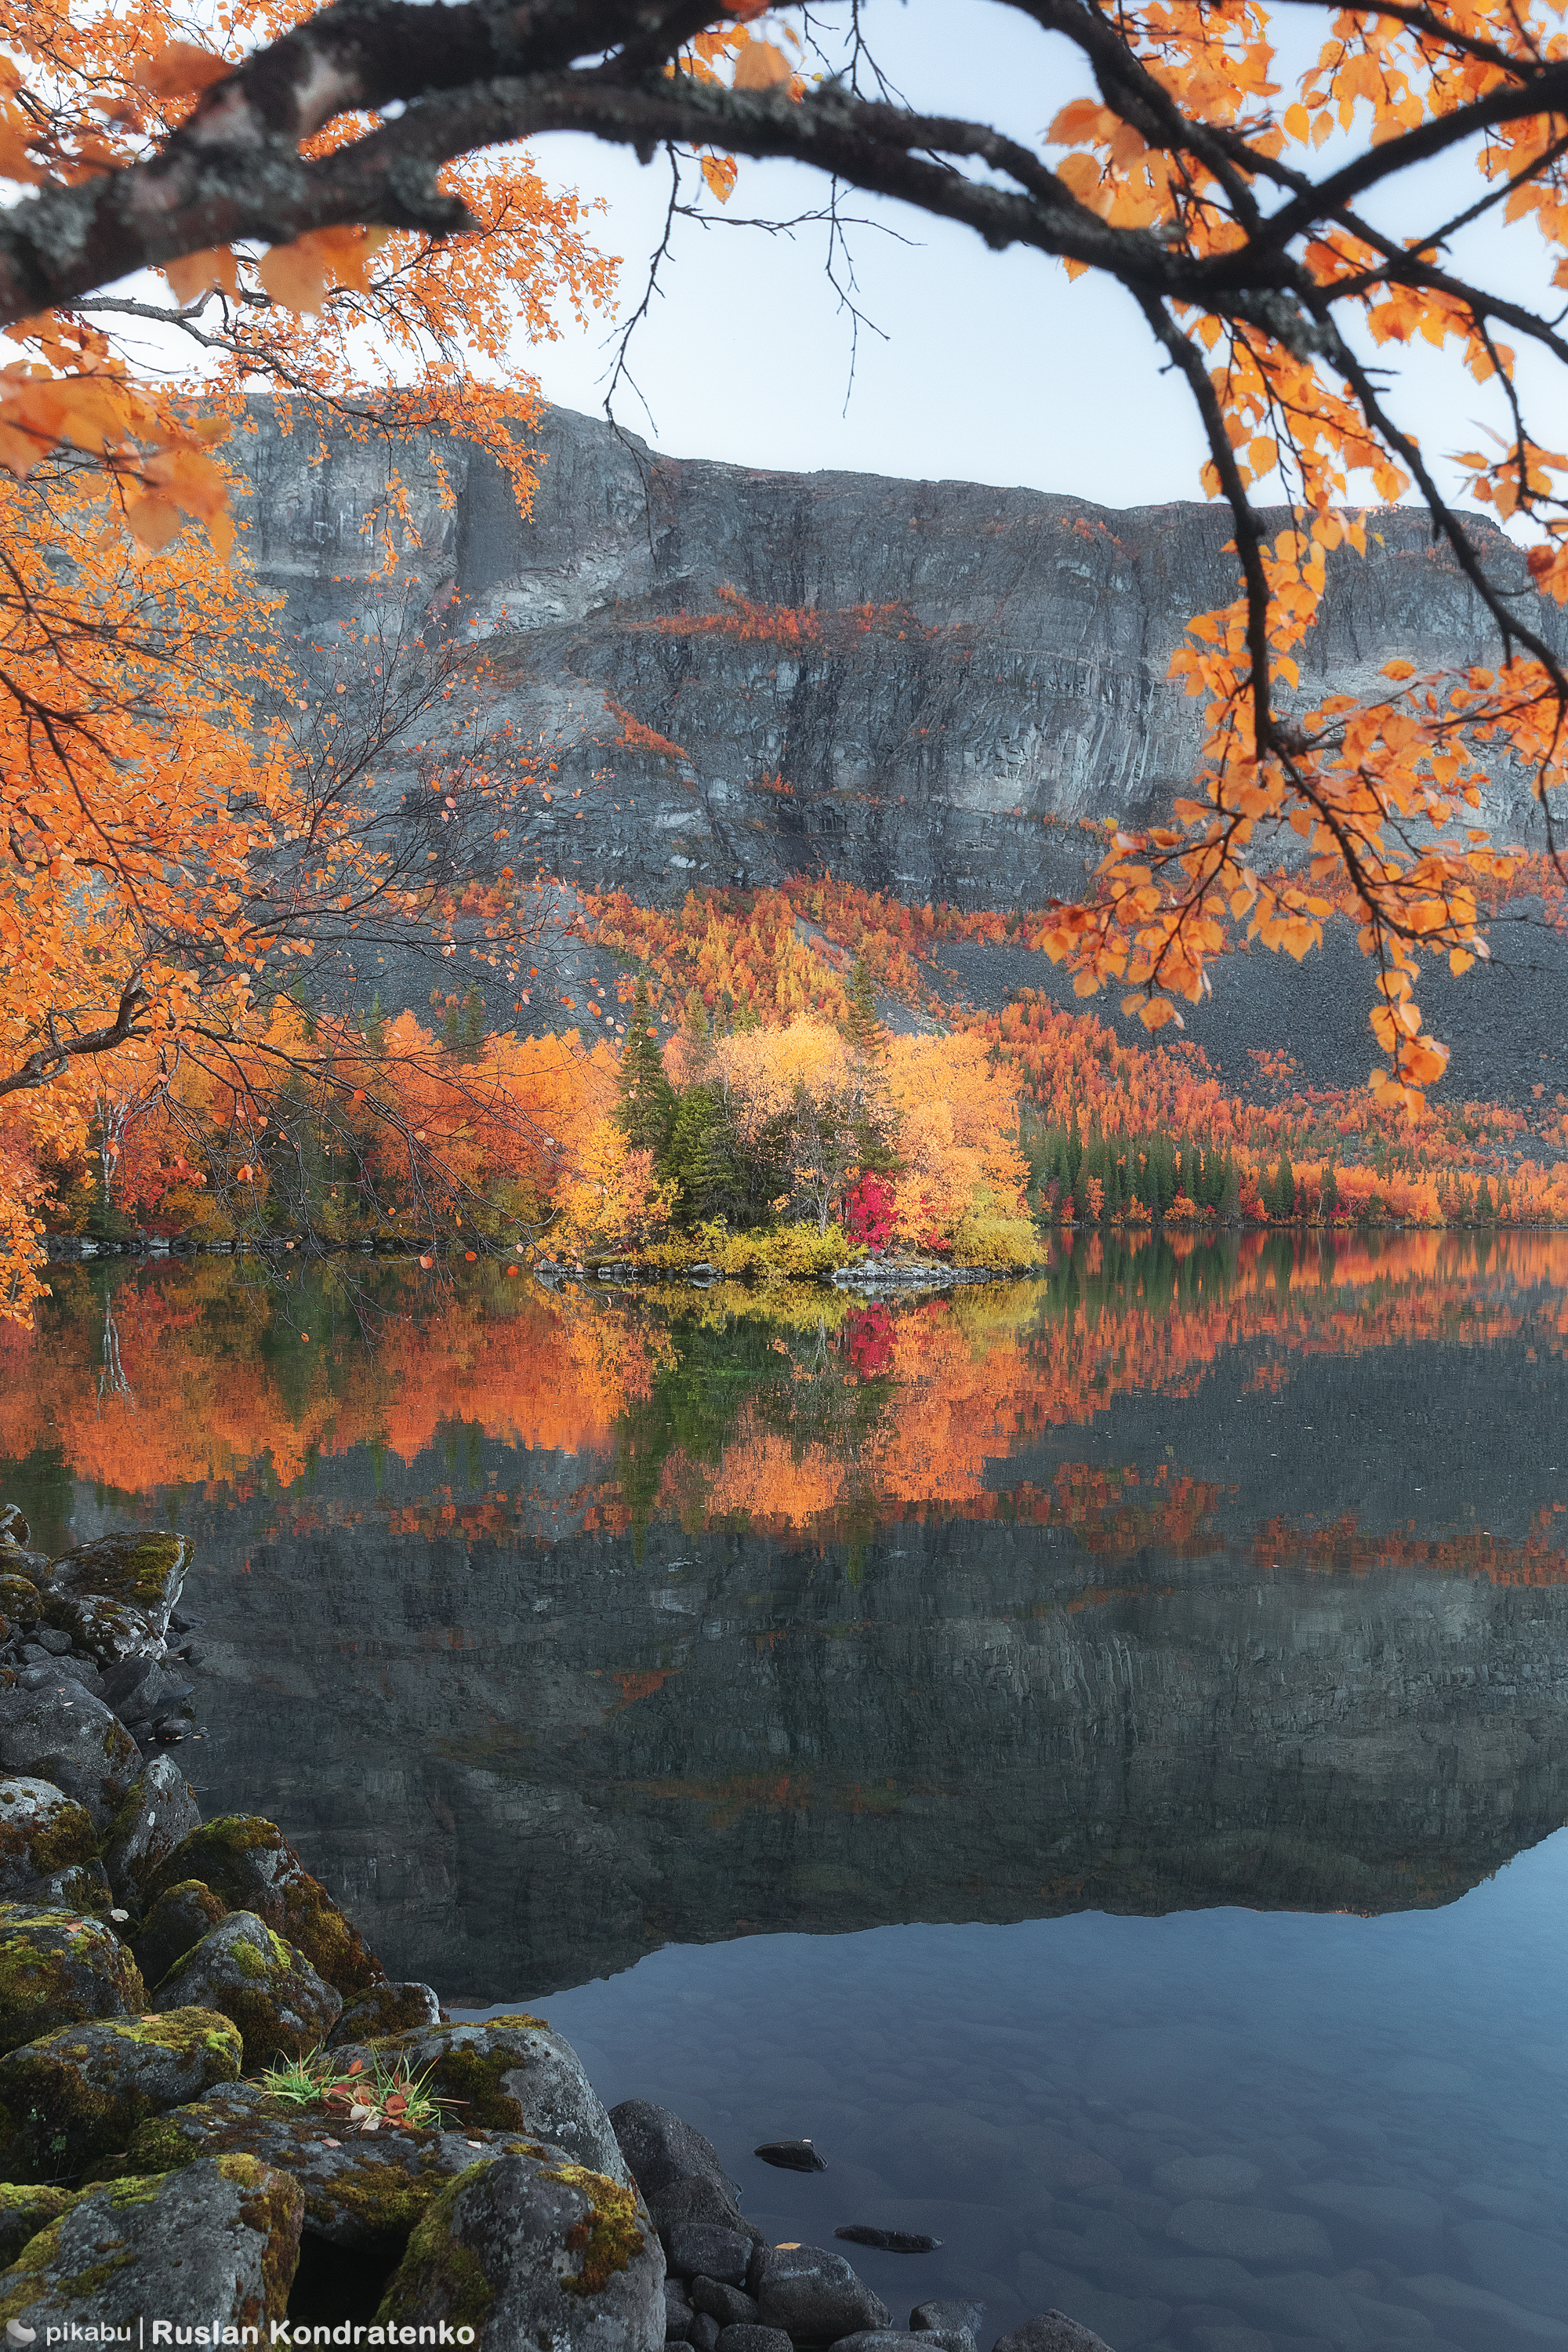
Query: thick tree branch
(50,1060)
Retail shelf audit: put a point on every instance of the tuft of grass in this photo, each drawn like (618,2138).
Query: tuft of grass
(358,2097)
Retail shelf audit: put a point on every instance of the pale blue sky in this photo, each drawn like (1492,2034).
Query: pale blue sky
(995,367)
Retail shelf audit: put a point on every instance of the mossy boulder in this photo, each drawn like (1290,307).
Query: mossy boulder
(175,1926)
(248,1973)
(59,1968)
(159,1810)
(386,2009)
(114,1597)
(514,2074)
(42,1832)
(49,1849)
(67,1737)
(249,1862)
(25,2210)
(218,2241)
(19,1601)
(527,2251)
(76,2094)
(363,2191)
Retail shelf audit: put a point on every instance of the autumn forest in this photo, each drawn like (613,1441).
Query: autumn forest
(212,794)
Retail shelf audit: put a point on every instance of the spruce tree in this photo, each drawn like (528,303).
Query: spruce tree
(866,1038)
(645,1111)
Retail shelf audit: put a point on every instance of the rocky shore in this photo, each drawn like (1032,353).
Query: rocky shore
(221,2123)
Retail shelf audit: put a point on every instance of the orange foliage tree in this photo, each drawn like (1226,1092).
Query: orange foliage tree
(1243,217)
(172,824)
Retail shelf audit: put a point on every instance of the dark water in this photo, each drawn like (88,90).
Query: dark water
(1094,1755)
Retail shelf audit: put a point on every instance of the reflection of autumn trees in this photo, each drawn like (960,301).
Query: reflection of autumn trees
(804,1415)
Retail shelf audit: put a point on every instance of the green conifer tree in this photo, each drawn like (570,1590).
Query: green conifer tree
(645,1109)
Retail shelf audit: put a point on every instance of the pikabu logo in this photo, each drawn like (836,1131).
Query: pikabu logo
(216,2334)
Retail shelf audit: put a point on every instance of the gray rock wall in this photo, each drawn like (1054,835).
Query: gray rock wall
(1019,677)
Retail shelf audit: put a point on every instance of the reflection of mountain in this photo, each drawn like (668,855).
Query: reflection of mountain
(526,1769)
(1211,1582)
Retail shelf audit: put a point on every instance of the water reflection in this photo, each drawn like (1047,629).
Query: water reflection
(561,1626)
(578,1634)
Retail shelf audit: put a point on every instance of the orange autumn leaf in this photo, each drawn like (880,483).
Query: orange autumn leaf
(180,70)
(762,67)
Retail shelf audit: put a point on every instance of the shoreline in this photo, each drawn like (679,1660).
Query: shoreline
(207,2077)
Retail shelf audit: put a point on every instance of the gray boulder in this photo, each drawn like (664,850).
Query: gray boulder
(244,1970)
(160,1809)
(113,1597)
(677,2312)
(732,2306)
(548,2254)
(511,2075)
(753,2340)
(221,2239)
(1052,2331)
(890,2339)
(949,2316)
(386,2009)
(59,1968)
(78,2093)
(47,1843)
(361,2189)
(703,2248)
(815,2297)
(19,1603)
(65,1736)
(677,2171)
(25,2210)
(174,1927)
(250,1864)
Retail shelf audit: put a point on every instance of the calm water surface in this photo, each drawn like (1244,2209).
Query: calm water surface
(1094,1754)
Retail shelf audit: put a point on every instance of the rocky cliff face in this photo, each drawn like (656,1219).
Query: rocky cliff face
(976,661)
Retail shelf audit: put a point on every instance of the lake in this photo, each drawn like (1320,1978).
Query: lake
(1092,1752)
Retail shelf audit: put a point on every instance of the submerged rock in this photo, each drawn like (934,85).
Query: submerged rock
(250,1864)
(65,1736)
(511,2075)
(1052,2331)
(530,2252)
(220,2239)
(113,1597)
(361,2190)
(1250,2233)
(815,2295)
(386,2009)
(677,2171)
(160,1809)
(174,1927)
(75,2095)
(266,1986)
(59,1968)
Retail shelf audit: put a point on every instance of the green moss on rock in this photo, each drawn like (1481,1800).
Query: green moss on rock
(25,2210)
(57,1967)
(40,1837)
(436,2263)
(273,2206)
(72,2096)
(608,2236)
(250,1865)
